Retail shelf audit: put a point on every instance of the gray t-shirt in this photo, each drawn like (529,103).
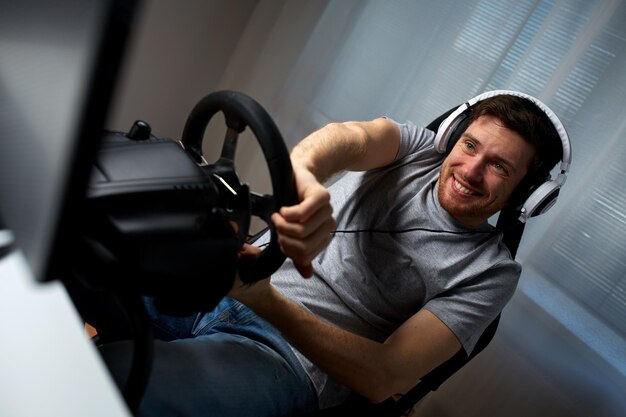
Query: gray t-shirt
(397,251)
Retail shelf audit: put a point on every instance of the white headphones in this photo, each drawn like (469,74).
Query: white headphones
(544,196)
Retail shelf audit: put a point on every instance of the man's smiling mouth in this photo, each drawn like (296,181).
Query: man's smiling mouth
(462,189)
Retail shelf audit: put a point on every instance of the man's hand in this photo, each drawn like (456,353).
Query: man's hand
(305,229)
(253,293)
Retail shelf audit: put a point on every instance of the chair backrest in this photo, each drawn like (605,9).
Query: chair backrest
(512,230)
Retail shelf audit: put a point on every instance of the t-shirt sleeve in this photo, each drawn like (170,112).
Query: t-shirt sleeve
(413,138)
(468,309)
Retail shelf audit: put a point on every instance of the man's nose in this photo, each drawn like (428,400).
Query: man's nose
(473,170)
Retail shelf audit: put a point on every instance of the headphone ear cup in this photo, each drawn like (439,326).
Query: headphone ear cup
(451,130)
(540,200)
(457,133)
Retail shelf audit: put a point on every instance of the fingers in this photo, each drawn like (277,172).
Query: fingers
(249,251)
(313,199)
(302,251)
(302,226)
(312,196)
(304,231)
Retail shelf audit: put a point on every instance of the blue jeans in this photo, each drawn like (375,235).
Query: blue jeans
(228,362)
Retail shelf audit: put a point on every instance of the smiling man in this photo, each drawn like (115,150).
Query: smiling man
(483,169)
(413,270)
(402,268)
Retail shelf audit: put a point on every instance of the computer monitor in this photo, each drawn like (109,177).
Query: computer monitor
(58,65)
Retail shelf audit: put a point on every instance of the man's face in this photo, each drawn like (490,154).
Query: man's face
(483,169)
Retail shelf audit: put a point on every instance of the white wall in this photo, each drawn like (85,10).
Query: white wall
(184,50)
(178,53)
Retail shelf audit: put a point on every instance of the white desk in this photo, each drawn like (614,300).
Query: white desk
(48,367)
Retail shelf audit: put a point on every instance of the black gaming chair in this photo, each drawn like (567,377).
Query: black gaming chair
(356,405)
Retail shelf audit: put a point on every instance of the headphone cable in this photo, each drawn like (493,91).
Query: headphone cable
(495,231)
(417,229)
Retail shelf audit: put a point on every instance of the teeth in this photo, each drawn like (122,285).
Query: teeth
(462,189)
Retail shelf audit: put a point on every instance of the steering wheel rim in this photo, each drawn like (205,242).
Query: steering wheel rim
(241,111)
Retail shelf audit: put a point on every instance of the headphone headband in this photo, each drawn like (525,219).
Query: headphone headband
(544,196)
(566,160)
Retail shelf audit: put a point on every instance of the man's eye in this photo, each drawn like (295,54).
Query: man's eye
(499,167)
(469,146)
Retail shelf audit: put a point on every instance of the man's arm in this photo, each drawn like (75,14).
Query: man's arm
(356,146)
(304,229)
(373,370)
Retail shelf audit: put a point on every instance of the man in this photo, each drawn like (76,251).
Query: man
(407,272)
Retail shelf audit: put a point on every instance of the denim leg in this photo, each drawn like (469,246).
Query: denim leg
(235,364)
(166,327)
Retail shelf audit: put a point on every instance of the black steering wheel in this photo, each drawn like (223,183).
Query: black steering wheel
(239,112)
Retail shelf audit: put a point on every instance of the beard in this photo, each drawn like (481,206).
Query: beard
(471,210)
